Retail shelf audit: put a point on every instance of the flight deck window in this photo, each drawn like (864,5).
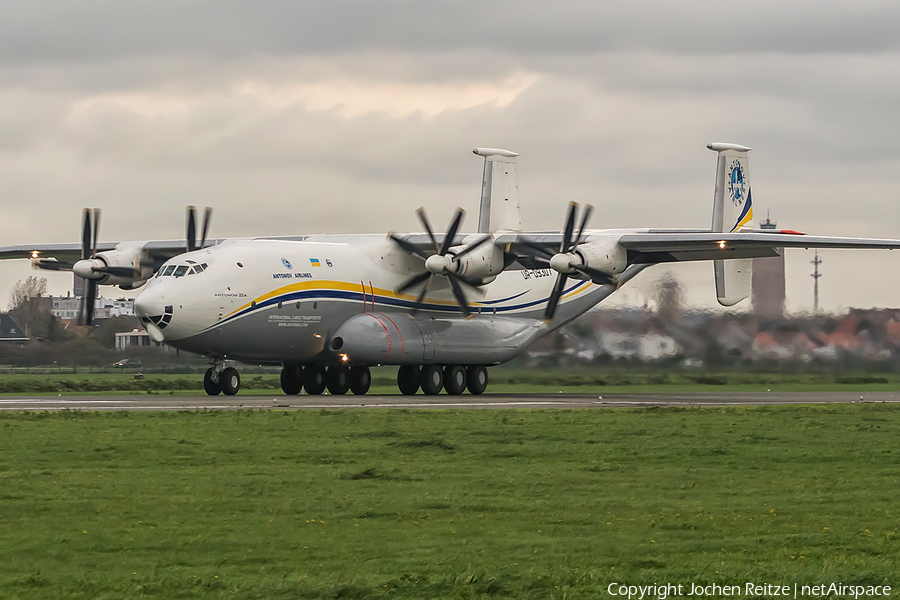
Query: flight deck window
(181,270)
(168,270)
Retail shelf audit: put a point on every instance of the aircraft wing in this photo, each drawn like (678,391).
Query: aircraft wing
(669,245)
(157,251)
(655,247)
(61,252)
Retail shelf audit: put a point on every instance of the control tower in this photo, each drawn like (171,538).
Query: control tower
(767,285)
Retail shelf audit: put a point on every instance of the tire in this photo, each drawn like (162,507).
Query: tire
(476,379)
(360,380)
(291,380)
(431,379)
(212,388)
(454,379)
(230,380)
(408,380)
(314,380)
(337,380)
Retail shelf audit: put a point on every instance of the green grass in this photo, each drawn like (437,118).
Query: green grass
(444,504)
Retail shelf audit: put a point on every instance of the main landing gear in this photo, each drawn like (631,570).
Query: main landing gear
(315,380)
(338,380)
(454,379)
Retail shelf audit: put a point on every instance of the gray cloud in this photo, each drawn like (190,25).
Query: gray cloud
(103,29)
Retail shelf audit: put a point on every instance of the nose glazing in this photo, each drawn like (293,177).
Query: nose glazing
(152,309)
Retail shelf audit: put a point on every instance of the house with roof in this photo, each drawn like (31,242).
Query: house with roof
(10,332)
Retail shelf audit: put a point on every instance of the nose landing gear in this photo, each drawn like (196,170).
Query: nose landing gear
(221,379)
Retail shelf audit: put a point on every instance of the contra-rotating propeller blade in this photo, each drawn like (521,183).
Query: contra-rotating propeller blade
(89,235)
(442,267)
(207,216)
(191,237)
(570,240)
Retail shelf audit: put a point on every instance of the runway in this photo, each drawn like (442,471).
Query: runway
(486,401)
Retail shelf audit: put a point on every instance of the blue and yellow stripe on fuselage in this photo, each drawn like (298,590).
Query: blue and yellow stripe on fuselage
(354,292)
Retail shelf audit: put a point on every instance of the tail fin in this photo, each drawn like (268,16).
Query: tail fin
(732,210)
(499,184)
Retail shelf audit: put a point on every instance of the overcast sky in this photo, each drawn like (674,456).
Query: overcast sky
(312,117)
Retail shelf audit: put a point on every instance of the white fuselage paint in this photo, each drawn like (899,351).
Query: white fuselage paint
(276,301)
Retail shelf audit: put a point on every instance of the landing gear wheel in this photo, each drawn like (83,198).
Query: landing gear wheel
(454,379)
(230,380)
(338,380)
(360,380)
(408,380)
(314,380)
(212,388)
(291,379)
(476,379)
(432,379)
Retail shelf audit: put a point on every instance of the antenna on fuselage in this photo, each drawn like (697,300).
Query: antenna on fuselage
(499,180)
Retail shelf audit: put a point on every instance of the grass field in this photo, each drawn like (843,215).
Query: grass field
(445,504)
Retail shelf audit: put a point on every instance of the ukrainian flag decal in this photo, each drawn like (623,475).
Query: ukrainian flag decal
(315,262)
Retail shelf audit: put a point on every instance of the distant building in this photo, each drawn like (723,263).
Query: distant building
(68,307)
(136,338)
(767,284)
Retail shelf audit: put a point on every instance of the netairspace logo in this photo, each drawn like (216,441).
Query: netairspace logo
(746,590)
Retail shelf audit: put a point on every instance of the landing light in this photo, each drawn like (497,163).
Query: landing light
(35,254)
(344,358)
(722,244)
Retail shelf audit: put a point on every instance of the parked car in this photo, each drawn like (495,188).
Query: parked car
(127,363)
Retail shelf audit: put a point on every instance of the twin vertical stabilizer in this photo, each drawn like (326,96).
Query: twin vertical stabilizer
(732,210)
(499,207)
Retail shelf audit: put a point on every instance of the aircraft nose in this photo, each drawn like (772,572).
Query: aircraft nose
(155,314)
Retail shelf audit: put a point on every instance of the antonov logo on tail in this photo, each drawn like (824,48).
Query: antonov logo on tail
(736,183)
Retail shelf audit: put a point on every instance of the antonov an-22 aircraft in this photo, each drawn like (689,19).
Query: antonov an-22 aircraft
(442,306)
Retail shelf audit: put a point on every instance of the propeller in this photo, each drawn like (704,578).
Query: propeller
(443,262)
(192,228)
(565,262)
(89,232)
(91,268)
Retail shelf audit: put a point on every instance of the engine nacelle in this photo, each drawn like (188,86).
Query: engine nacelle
(481,265)
(607,256)
(121,266)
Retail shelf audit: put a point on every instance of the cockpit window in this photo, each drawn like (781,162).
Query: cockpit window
(181,270)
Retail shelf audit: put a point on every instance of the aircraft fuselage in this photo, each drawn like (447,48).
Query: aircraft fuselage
(274,301)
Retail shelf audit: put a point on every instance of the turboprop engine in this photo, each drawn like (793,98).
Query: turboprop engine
(600,261)
(471,265)
(121,266)
(607,257)
(480,265)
